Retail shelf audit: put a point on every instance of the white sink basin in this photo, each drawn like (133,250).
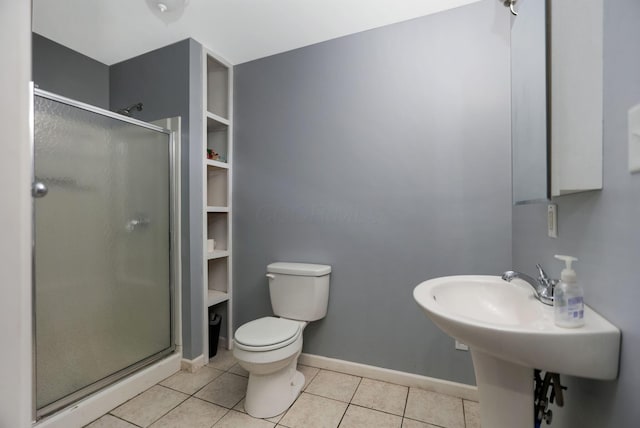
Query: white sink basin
(504,319)
(510,333)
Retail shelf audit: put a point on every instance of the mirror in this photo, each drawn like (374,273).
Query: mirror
(556,104)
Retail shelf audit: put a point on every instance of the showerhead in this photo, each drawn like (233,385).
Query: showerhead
(127,111)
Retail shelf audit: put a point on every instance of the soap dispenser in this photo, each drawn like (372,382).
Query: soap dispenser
(568,297)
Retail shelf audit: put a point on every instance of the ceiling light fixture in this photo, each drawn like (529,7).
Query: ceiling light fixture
(167,10)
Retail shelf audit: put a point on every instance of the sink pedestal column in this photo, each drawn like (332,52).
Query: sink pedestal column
(505,391)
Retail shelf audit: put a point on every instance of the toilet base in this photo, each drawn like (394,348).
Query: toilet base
(270,395)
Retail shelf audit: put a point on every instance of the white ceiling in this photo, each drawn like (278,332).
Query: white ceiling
(111,31)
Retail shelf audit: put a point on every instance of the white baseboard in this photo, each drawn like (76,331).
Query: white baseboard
(461,390)
(192,366)
(103,401)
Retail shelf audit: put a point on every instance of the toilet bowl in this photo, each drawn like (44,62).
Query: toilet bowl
(268,348)
(271,359)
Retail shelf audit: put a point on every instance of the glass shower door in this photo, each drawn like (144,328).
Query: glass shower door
(102,263)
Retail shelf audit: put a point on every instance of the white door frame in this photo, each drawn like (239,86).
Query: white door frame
(15,215)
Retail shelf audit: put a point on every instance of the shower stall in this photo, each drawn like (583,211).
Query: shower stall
(105,248)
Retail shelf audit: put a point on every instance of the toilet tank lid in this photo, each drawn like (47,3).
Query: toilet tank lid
(301,269)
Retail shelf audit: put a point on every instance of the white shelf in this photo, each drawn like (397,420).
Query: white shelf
(211,209)
(217,254)
(217,164)
(215,297)
(221,124)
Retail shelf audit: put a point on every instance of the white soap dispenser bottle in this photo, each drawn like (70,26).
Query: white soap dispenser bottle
(568,297)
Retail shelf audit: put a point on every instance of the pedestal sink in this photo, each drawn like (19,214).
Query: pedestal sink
(510,333)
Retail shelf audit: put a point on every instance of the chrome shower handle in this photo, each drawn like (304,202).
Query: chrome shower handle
(136,223)
(512,6)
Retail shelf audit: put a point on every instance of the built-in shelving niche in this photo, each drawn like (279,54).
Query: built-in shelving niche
(217,87)
(217,158)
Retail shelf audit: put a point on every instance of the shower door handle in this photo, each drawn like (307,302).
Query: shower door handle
(39,189)
(137,223)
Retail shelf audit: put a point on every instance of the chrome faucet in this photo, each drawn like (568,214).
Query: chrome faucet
(543,286)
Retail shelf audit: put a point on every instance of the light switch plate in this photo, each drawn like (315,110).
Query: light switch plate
(461,346)
(634,139)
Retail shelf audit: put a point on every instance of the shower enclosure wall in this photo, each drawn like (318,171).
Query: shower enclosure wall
(105,251)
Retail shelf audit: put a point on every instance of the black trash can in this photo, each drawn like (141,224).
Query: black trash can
(214,332)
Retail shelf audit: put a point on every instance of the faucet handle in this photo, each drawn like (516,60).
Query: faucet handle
(542,273)
(543,278)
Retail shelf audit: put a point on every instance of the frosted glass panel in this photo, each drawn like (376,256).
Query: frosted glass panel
(102,247)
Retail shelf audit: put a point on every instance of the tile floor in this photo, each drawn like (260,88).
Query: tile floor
(214,397)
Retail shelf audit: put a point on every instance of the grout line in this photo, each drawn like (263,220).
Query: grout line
(423,422)
(177,390)
(304,387)
(376,410)
(207,384)
(222,417)
(349,403)
(328,398)
(137,395)
(343,414)
(136,425)
(355,390)
(464,416)
(406,401)
(174,407)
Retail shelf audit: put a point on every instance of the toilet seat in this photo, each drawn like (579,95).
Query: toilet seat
(267,334)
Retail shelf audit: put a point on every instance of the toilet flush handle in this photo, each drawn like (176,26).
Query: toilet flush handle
(270,276)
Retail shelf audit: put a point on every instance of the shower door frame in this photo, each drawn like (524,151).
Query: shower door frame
(174,255)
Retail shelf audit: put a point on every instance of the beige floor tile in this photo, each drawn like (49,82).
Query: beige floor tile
(223,360)
(188,382)
(240,408)
(309,373)
(471,414)
(110,421)
(409,423)
(235,419)
(193,413)
(226,390)
(387,397)
(433,408)
(236,369)
(149,406)
(312,411)
(359,417)
(338,386)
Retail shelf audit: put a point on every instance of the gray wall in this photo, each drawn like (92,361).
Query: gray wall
(601,229)
(66,72)
(165,80)
(385,154)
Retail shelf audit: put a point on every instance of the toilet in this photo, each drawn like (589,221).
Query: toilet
(268,348)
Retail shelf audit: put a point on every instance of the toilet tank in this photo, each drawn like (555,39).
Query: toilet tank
(299,291)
